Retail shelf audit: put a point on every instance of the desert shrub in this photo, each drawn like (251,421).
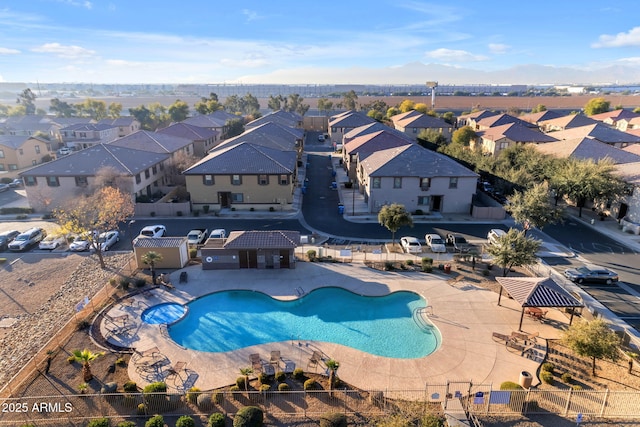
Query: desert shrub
(130,387)
(155,393)
(548,367)
(216,420)
(388,266)
(263,378)
(280,376)
(249,416)
(185,421)
(141,409)
(272,209)
(193,253)
(333,419)
(109,387)
(311,255)
(510,385)
(576,387)
(283,387)
(121,361)
(546,377)
(113,281)
(265,387)
(241,382)
(71,359)
(427,264)
(157,387)
(155,421)
(419,212)
(409,262)
(204,401)
(235,391)
(126,424)
(310,384)
(140,282)
(192,394)
(3,260)
(298,374)
(566,378)
(99,422)
(82,325)
(124,283)
(217,397)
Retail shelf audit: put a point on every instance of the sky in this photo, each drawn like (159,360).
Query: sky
(319,42)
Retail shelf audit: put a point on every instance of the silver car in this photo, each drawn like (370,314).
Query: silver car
(591,274)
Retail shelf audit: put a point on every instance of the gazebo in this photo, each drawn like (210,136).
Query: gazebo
(537,292)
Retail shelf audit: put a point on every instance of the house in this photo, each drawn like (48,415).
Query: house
(155,142)
(371,128)
(363,146)
(204,139)
(628,124)
(565,122)
(215,121)
(418,178)
(272,135)
(500,120)
(536,118)
(51,185)
(251,249)
(413,122)
(587,148)
(30,125)
(618,119)
(283,118)
(126,125)
(19,152)
(245,176)
(495,139)
(627,211)
(344,122)
(599,131)
(83,135)
(472,118)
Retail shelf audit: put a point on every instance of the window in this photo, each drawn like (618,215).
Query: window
(333,130)
(30,181)
(415,130)
(423,200)
(81,181)
(52,181)
(284,179)
(147,174)
(37,147)
(425,183)
(207,179)
(13,167)
(138,178)
(33,162)
(236,180)
(154,169)
(1,154)
(504,145)
(376,183)
(453,182)
(162,166)
(237,197)
(263,180)
(397,182)
(1,166)
(21,151)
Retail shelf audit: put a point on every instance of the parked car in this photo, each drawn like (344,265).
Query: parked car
(25,240)
(16,183)
(591,274)
(4,187)
(107,239)
(51,242)
(411,245)
(321,138)
(64,151)
(458,242)
(435,243)
(153,231)
(80,244)
(197,236)
(6,238)
(218,233)
(494,235)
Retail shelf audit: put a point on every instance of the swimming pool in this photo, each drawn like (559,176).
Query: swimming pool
(384,326)
(165,313)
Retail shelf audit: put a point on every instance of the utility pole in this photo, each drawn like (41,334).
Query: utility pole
(433,86)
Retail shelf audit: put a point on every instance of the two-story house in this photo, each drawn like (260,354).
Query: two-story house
(83,135)
(19,152)
(413,122)
(204,139)
(362,146)
(126,125)
(601,132)
(344,122)
(495,139)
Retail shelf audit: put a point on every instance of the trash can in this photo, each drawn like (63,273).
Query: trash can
(341,209)
(447,268)
(525,379)
(334,185)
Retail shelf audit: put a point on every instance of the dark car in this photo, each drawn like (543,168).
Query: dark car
(458,242)
(4,187)
(16,183)
(591,274)
(6,238)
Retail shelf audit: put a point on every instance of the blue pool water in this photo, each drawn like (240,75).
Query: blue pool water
(166,313)
(384,326)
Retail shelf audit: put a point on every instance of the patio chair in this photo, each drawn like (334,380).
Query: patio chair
(275,358)
(314,360)
(175,370)
(256,363)
(117,319)
(150,352)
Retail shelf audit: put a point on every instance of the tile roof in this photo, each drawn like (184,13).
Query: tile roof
(419,120)
(152,142)
(515,132)
(159,242)
(350,119)
(568,121)
(206,121)
(16,141)
(268,134)
(503,119)
(633,148)
(538,292)
(262,240)
(535,118)
(615,115)
(87,162)
(413,161)
(88,127)
(630,172)
(478,115)
(187,131)
(587,148)
(599,131)
(284,118)
(245,158)
(371,128)
(370,143)
(119,121)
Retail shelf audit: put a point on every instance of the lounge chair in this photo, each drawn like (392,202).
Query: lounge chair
(275,358)
(256,363)
(117,319)
(175,370)
(150,352)
(268,369)
(315,358)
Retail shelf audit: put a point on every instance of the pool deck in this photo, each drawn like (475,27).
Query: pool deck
(466,316)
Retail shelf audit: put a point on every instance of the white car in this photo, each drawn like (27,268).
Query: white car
(108,239)
(411,245)
(80,244)
(153,231)
(435,243)
(494,235)
(51,242)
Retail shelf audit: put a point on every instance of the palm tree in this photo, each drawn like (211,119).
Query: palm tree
(333,366)
(86,357)
(246,372)
(151,258)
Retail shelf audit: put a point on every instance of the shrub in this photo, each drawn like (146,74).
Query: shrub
(409,262)
(427,264)
(124,283)
(71,359)
(99,422)
(388,266)
(548,367)
(126,424)
(298,374)
(486,272)
(83,324)
(185,421)
(140,282)
(192,395)
(280,376)
(121,361)
(263,378)
(272,209)
(155,393)
(155,421)
(576,387)
(109,388)
(141,409)
(283,387)
(204,402)
(235,391)
(196,212)
(206,208)
(249,416)
(311,255)
(193,253)
(240,382)
(216,420)
(251,209)
(510,385)
(333,419)
(130,387)
(546,377)
(419,212)
(310,384)
(265,387)
(3,260)
(152,213)
(566,378)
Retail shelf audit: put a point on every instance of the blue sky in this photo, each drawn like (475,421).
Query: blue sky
(319,42)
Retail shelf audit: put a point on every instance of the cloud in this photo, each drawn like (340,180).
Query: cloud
(64,51)
(7,51)
(251,15)
(498,48)
(631,38)
(85,4)
(452,55)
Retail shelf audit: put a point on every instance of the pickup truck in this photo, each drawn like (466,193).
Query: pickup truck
(197,236)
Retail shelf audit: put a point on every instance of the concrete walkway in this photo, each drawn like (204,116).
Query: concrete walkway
(466,316)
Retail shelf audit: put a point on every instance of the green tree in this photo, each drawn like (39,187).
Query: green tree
(27,99)
(533,207)
(539,108)
(142,115)
(275,102)
(324,105)
(152,258)
(62,108)
(208,105)
(449,117)
(463,136)
(349,100)
(407,105)
(514,249)
(93,108)
(433,136)
(421,107)
(392,111)
(86,357)
(115,109)
(234,127)
(295,104)
(178,111)
(593,339)
(596,106)
(394,216)
(245,373)
(332,366)
(251,105)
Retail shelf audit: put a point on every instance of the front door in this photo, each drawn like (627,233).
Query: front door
(284,258)
(224,198)
(436,203)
